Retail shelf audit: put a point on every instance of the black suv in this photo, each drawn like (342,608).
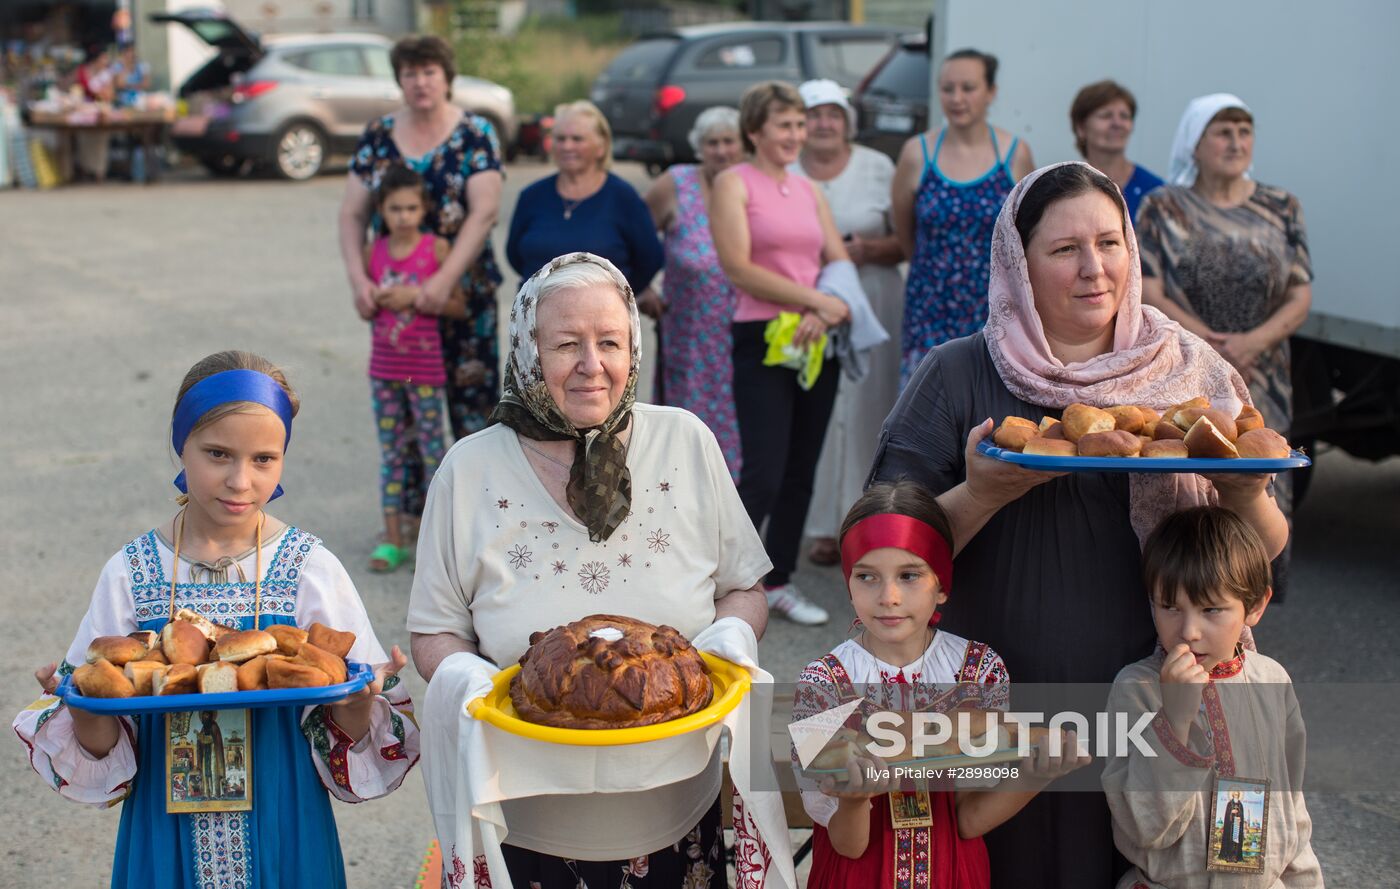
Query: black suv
(892,102)
(656,87)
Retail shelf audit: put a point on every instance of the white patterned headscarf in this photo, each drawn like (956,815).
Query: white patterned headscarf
(600,484)
(1198,115)
(1153,362)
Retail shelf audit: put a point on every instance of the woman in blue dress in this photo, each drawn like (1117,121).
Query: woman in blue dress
(948,190)
(262,817)
(1102,118)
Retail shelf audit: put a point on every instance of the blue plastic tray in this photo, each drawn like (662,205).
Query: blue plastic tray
(360,676)
(1201,465)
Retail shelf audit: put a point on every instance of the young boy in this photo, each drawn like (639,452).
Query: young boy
(1223,792)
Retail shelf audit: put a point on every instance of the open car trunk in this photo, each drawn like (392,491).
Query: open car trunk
(238,50)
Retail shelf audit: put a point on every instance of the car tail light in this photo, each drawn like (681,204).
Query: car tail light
(668,97)
(246,92)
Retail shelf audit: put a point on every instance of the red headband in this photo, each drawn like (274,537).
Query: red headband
(901,532)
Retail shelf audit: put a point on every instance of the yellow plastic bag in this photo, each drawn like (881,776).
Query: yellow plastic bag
(806,360)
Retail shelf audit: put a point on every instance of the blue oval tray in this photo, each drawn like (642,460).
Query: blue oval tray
(361,675)
(1201,465)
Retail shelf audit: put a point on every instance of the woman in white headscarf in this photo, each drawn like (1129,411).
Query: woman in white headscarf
(578,501)
(1226,257)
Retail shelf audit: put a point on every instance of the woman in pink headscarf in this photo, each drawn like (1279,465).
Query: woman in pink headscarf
(1050,565)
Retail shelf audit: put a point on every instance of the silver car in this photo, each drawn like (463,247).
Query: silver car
(289,102)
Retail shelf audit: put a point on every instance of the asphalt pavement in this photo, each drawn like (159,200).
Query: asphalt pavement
(112,292)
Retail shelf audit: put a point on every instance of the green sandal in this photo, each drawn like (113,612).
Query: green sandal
(388,555)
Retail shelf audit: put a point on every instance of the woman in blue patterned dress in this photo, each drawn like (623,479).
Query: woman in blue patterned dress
(696,370)
(262,818)
(946,198)
(458,157)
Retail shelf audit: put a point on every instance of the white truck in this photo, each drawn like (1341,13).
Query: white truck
(1323,83)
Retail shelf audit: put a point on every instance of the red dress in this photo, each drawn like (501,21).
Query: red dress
(934,857)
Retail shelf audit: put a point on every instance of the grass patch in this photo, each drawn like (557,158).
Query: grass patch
(547,62)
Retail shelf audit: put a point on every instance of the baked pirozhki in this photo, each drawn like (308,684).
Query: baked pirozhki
(285,674)
(1050,447)
(337,642)
(289,638)
(1113,443)
(1263,444)
(101,679)
(1081,419)
(117,650)
(1014,432)
(607,671)
(243,645)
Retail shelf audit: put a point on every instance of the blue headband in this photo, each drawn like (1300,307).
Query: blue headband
(223,388)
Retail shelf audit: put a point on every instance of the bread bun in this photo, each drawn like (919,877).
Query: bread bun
(1013,436)
(1249,419)
(1050,447)
(1113,443)
(1054,430)
(1081,419)
(1187,417)
(219,677)
(286,674)
(1205,440)
(148,638)
(142,674)
(243,645)
(252,674)
(315,656)
(183,643)
(212,631)
(1165,430)
(101,679)
(177,679)
(1263,444)
(117,650)
(1126,417)
(1149,416)
(289,638)
(336,642)
(1170,413)
(157,654)
(1164,447)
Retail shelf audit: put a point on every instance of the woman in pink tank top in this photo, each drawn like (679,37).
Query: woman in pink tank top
(407,377)
(773,232)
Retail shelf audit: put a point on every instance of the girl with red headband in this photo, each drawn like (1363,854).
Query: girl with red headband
(897,555)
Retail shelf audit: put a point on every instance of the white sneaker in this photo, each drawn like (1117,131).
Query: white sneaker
(788,601)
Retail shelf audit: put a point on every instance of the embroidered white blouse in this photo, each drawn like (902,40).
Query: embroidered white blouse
(324,592)
(910,687)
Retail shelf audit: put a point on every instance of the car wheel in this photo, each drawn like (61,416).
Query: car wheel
(300,151)
(222,166)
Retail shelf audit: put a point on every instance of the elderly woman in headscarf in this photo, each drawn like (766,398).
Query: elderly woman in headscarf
(1066,325)
(1226,257)
(577,501)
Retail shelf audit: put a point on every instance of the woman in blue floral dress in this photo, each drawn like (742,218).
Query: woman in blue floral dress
(459,158)
(946,199)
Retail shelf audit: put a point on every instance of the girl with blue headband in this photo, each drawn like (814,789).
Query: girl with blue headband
(224,558)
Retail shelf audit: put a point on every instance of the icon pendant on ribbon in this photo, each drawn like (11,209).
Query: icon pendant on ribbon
(1239,824)
(209,761)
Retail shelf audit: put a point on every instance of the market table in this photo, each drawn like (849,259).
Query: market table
(148,127)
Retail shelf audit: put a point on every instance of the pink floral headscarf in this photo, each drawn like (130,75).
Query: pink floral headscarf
(1154,362)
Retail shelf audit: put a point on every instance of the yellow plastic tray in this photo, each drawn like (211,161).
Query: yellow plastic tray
(731,684)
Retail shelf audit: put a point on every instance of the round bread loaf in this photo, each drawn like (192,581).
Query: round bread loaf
(1265,444)
(1113,443)
(1081,419)
(1166,447)
(1249,419)
(183,643)
(607,671)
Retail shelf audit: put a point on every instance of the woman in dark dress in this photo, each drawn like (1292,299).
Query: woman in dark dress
(1049,565)
(458,156)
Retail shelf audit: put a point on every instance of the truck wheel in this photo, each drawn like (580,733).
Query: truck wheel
(300,151)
